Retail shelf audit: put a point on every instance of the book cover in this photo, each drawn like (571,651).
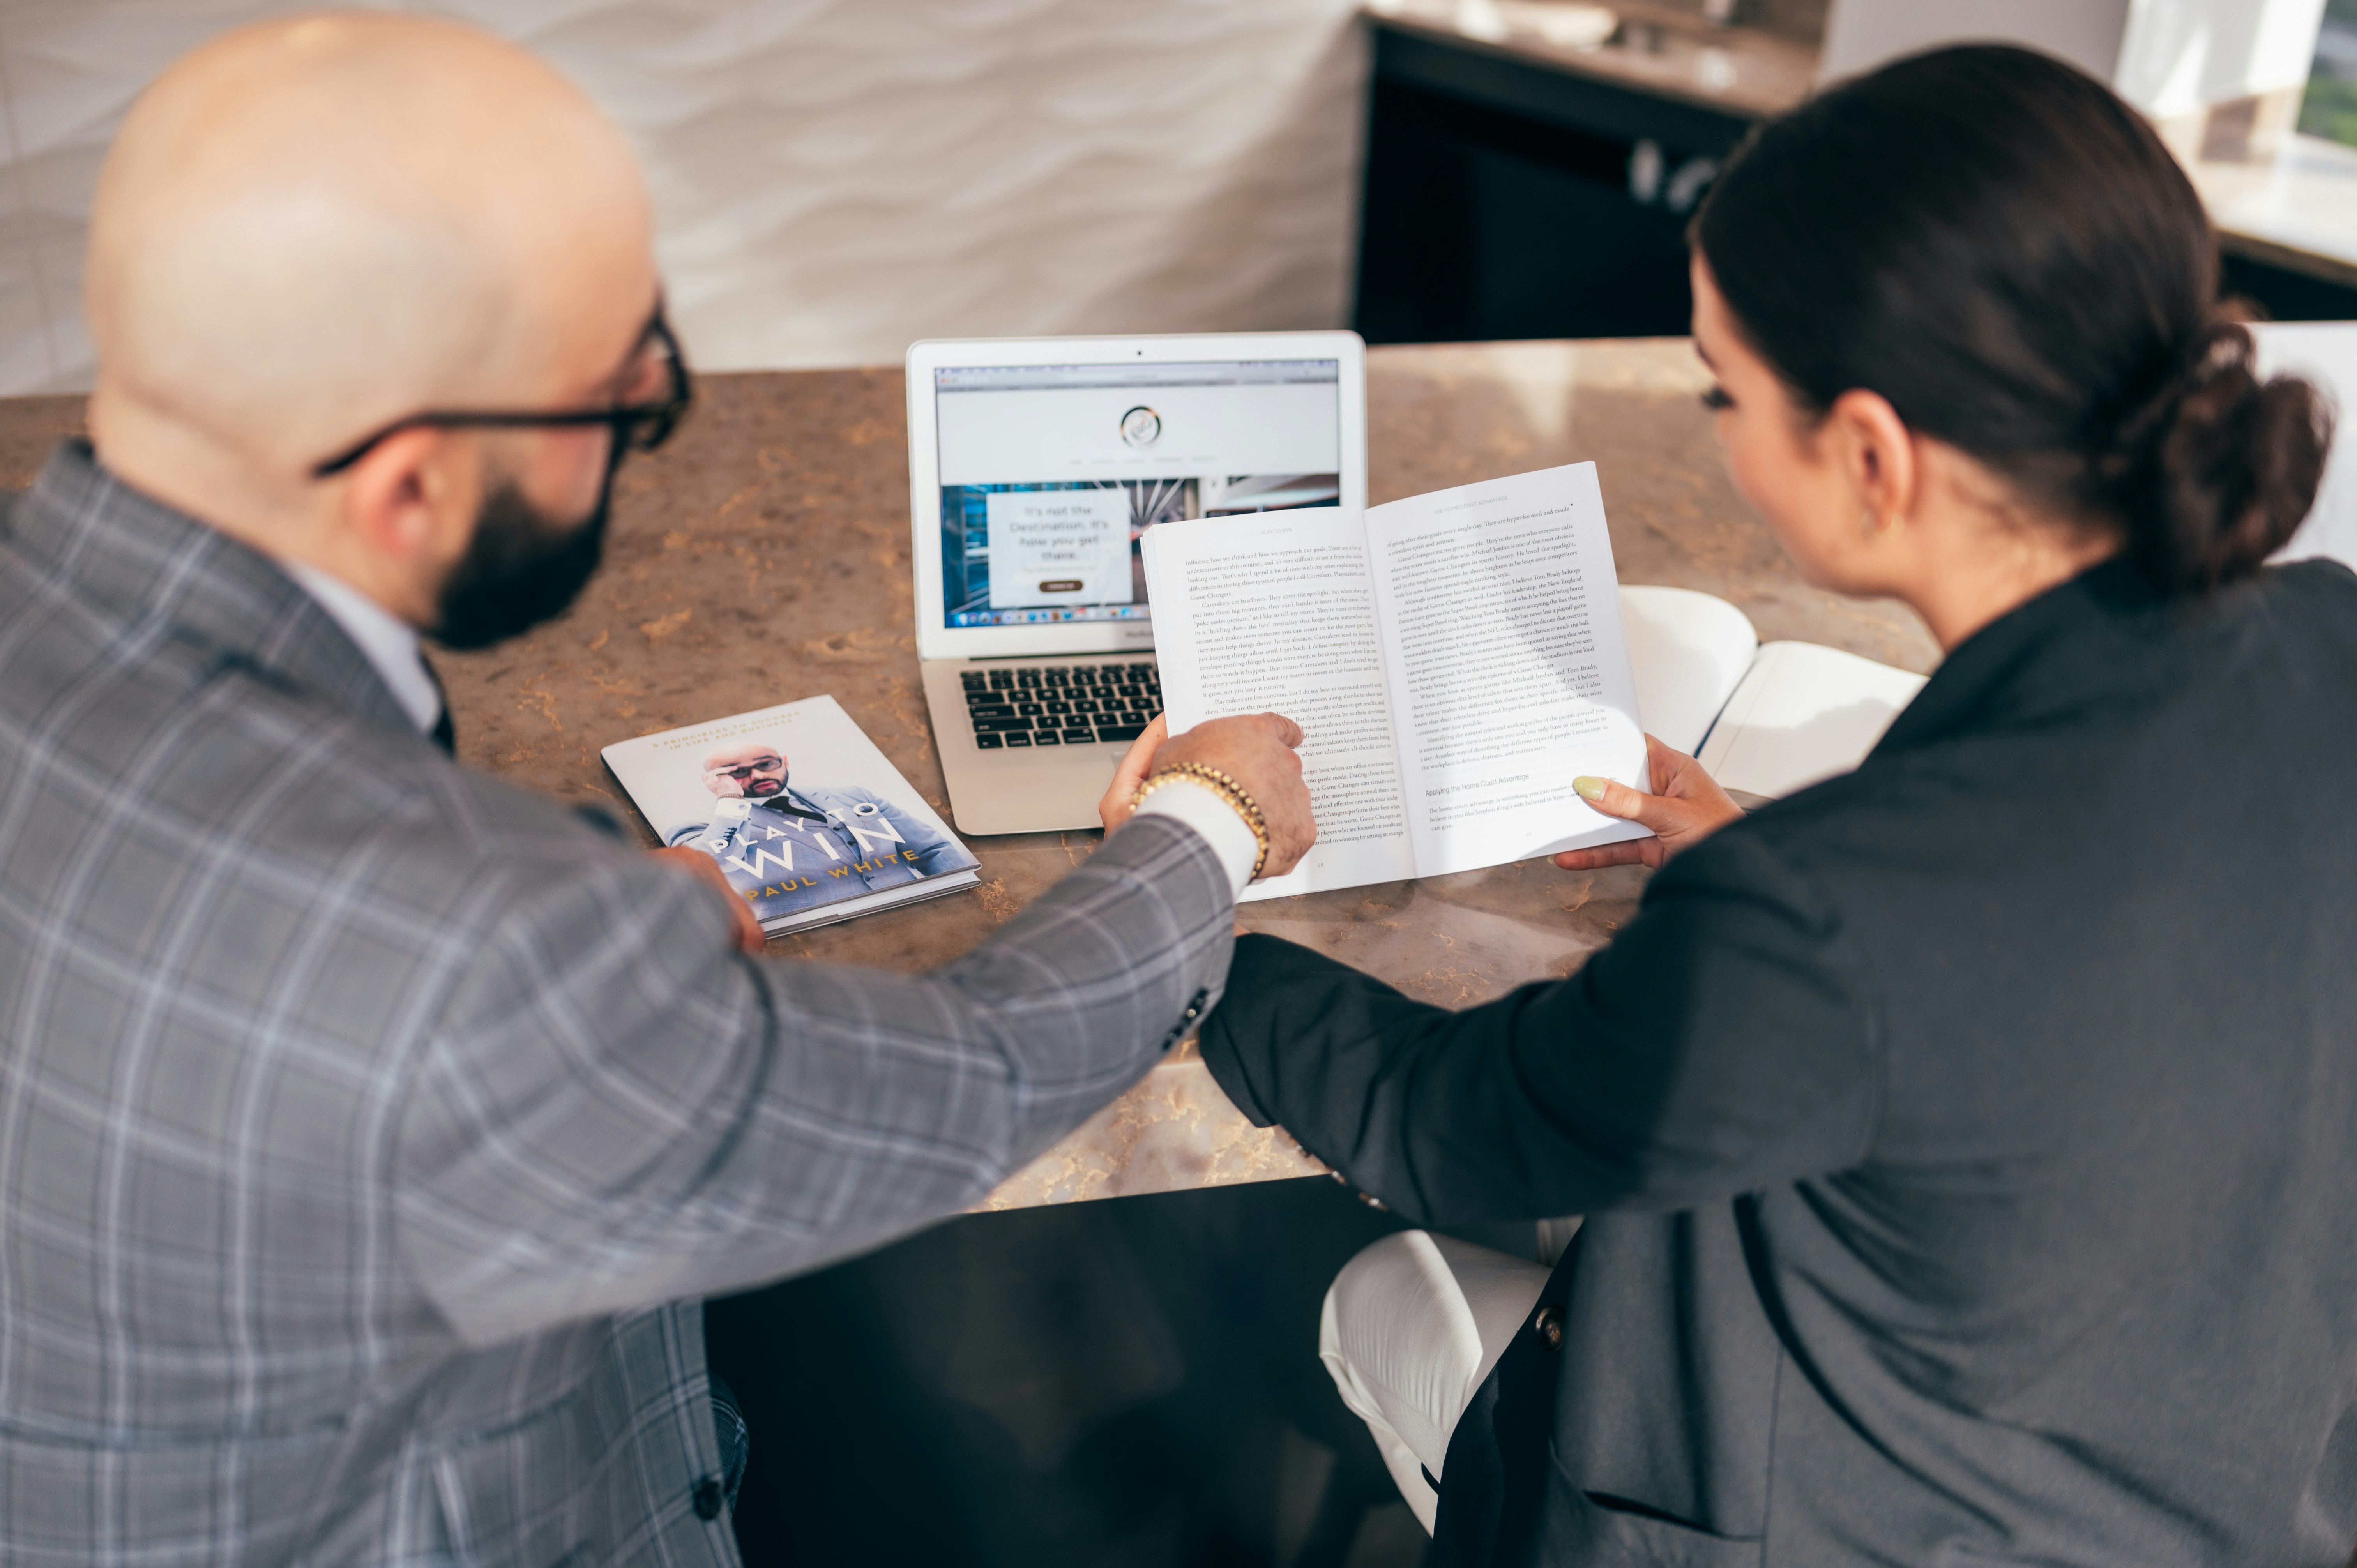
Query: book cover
(806,816)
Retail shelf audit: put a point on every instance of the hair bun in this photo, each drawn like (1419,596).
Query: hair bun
(2218,470)
(2053,318)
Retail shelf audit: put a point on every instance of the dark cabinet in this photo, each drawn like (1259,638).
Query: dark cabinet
(1505,199)
(1508,198)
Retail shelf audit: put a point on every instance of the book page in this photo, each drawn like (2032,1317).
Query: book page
(1274,612)
(1804,713)
(1507,665)
(1688,652)
(2324,352)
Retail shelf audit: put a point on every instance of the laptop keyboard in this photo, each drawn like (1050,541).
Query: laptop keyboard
(1014,707)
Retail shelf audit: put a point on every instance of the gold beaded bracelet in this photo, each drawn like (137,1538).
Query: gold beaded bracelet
(1219,784)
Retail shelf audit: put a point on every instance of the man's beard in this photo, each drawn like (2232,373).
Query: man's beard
(766,794)
(520,571)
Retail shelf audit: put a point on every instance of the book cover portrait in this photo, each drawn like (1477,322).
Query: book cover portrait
(798,806)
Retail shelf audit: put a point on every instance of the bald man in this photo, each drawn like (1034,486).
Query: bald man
(370,1130)
(850,838)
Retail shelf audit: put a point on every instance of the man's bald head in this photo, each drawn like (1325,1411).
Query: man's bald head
(312,226)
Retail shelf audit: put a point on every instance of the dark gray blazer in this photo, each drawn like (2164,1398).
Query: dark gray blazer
(362,1120)
(1970,1143)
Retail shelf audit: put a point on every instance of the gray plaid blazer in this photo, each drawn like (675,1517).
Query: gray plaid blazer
(368,1128)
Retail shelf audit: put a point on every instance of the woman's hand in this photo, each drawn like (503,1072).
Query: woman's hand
(1115,808)
(1689,809)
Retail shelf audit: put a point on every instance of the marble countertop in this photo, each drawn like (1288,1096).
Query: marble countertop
(764,557)
(2296,208)
(1660,50)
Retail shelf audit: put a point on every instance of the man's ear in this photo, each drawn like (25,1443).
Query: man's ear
(1877,452)
(409,508)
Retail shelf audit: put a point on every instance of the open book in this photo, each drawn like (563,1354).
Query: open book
(1455,659)
(2326,353)
(809,820)
(1763,719)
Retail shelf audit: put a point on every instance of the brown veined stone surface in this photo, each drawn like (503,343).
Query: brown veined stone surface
(763,556)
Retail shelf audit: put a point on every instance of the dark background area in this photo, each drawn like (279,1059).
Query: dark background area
(1129,1383)
(1499,203)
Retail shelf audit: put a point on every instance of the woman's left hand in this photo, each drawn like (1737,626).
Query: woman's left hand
(1115,808)
(1689,809)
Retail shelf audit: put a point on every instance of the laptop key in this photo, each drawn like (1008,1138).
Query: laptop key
(1060,705)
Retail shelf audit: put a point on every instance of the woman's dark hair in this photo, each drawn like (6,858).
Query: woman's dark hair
(2004,250)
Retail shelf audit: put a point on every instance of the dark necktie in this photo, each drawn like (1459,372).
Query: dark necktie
(446,735)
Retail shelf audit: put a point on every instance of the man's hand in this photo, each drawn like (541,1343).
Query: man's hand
(1256,751)
(1115,808)
(704,868)
(723,784)
(1689,809)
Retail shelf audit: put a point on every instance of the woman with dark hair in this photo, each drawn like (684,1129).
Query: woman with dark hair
(1969,1143)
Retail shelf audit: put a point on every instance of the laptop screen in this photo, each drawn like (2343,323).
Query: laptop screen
(1050,474)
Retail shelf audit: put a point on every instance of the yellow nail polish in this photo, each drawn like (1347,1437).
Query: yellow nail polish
(1590,787)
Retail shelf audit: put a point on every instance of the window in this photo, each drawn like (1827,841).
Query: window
(2329,109)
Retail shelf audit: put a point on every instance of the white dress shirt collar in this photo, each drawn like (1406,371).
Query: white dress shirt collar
(389,642)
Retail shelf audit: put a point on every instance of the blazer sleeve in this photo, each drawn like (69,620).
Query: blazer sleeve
(619,1108)
(1724,1042)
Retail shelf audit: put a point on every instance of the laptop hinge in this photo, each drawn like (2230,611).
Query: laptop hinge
(1131,653)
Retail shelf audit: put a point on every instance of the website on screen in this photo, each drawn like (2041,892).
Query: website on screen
(1050,474)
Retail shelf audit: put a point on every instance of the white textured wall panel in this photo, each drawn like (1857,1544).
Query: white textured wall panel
(834,179)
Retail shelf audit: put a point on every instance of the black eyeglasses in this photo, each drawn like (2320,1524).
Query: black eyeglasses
(641,426)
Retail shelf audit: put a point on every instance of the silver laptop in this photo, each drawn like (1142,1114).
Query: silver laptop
(1034,467)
